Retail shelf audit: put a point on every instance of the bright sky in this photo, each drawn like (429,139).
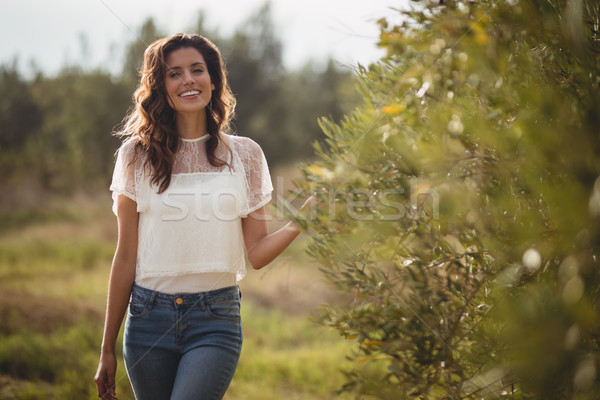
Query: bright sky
(49,31)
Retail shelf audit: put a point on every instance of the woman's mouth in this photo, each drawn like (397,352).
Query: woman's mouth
(190,93)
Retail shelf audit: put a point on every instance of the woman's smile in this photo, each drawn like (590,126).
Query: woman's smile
(190,94)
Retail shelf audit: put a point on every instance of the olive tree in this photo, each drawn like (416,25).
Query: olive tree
(458,207)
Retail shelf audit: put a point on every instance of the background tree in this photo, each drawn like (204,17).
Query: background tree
(134,55)
(16,99)
(461,213)
(20,117)
(254,61)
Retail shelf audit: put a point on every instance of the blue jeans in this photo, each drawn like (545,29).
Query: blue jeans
(184,346)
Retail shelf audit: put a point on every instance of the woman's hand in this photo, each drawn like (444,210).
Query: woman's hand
(105,376)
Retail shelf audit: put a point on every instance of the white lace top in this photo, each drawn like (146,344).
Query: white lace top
(190,236)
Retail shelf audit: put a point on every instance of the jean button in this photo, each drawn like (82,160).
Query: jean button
(179,300)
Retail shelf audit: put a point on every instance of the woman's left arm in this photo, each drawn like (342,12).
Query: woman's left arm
(262,247)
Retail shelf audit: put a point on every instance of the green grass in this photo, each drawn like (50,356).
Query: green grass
(53,280)
(286,357)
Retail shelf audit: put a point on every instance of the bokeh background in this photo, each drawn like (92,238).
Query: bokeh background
(67,72)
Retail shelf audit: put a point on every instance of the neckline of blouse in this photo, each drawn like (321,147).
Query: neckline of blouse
(195,139)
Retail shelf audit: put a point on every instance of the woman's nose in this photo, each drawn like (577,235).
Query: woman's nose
(188,79)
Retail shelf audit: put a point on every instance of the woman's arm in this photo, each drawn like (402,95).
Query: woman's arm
(262,247)
(122,275)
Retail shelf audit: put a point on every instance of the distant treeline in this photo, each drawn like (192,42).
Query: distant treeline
(56,131)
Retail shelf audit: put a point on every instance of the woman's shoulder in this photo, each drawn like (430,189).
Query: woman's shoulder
(130,146)
(243,144)
(130,142)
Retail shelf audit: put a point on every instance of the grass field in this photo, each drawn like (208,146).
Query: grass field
(54,266)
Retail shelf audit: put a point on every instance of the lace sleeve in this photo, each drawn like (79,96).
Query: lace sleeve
(257,176)
(128,177)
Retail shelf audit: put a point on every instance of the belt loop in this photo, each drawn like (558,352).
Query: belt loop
(202,301)
(151,300)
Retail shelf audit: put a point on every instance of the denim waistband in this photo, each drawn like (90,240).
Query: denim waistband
(152,297)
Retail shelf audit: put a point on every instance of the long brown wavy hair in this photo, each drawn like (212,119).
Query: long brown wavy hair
(152,120)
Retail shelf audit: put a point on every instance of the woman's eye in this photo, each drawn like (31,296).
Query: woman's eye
(174,74)
(199,70)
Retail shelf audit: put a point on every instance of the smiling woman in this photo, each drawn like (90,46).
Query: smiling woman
(189,199)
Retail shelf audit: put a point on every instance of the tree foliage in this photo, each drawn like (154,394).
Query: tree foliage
(16,99)
(459,205)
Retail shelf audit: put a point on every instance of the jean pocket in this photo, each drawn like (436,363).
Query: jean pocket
(228,308)
(137,307)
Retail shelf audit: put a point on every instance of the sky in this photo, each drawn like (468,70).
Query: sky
(49,32)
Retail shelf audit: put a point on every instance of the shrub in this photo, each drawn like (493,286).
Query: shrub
(461,204)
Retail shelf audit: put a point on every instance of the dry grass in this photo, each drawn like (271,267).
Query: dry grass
(43,314)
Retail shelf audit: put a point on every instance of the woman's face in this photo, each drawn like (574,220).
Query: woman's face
(188,84)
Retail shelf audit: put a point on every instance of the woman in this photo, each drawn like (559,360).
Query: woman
(189,199)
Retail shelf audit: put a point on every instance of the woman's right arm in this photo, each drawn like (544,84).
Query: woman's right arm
(122,275)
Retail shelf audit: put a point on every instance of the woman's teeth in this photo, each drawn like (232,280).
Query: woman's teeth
(189,93)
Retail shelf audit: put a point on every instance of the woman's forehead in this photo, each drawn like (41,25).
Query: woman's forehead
(184,57)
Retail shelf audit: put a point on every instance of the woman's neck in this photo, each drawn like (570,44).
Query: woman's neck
(191,125)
